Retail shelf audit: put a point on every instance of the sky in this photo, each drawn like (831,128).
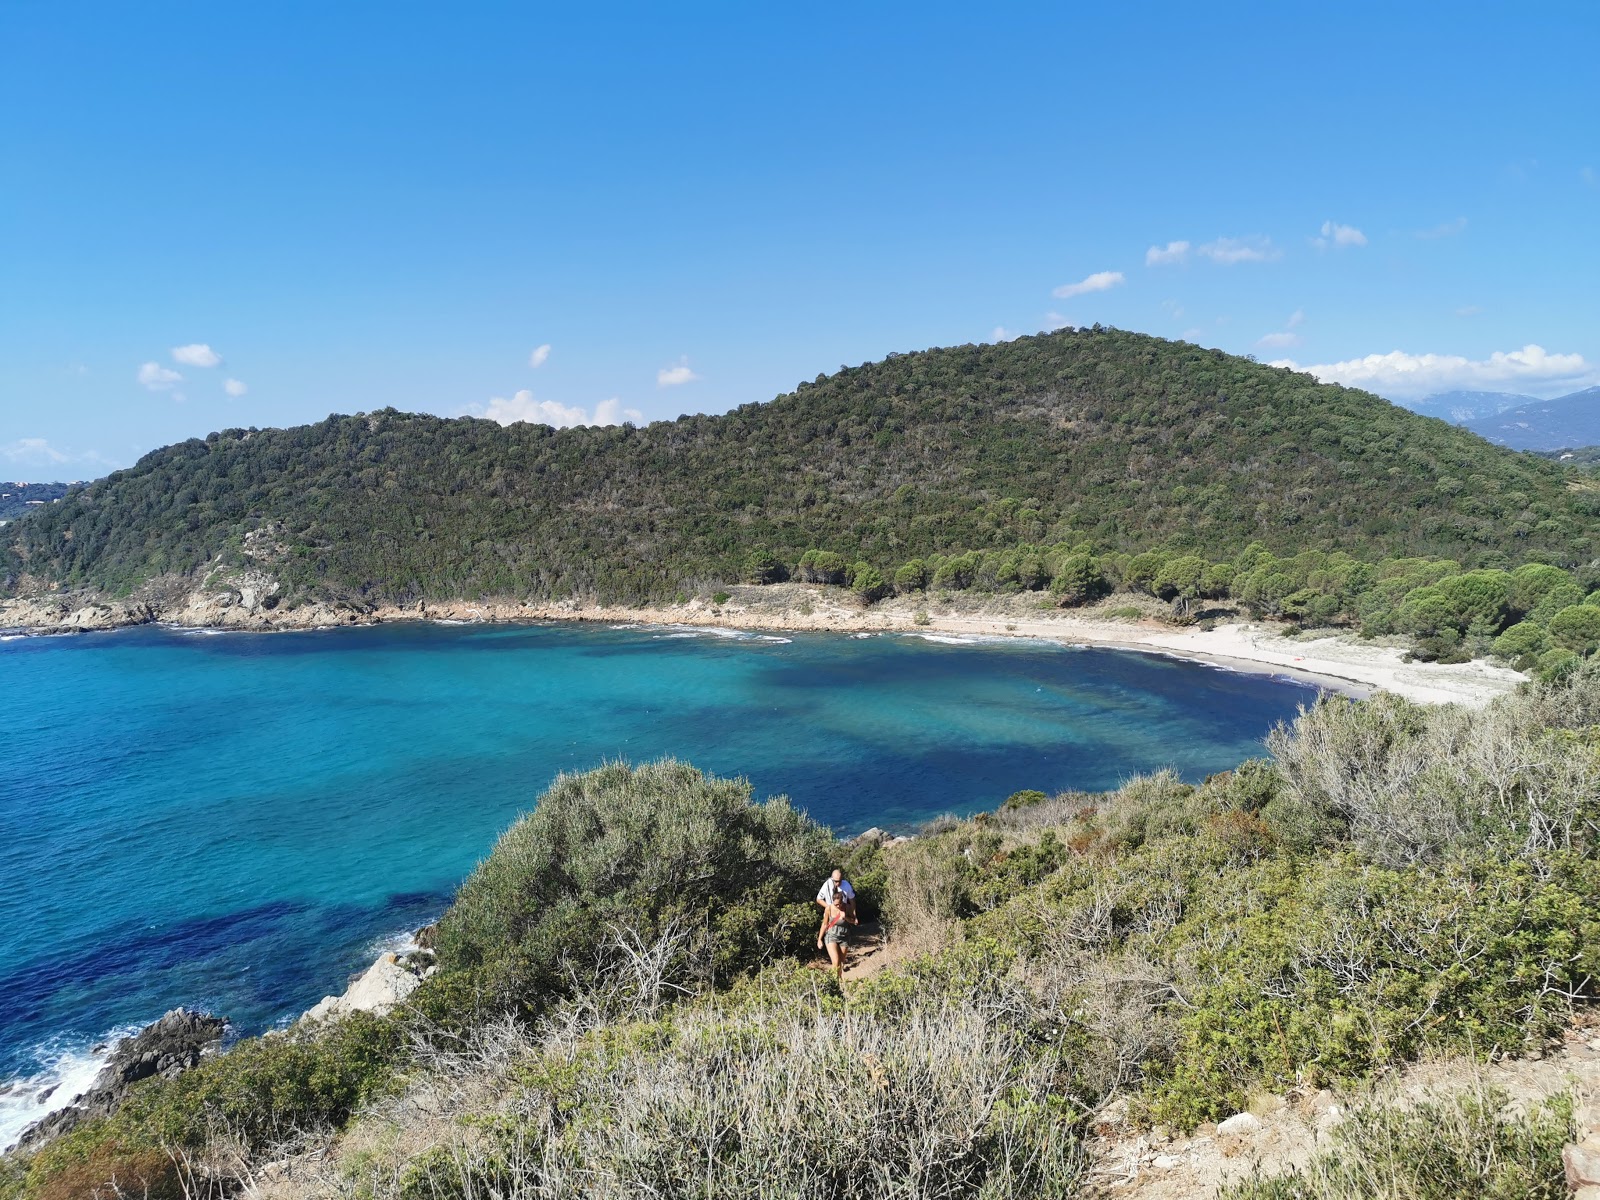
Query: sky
(225,215)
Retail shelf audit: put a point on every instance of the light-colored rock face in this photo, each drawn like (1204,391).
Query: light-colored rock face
(383,985)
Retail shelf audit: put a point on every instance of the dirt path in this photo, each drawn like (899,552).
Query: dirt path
(1287,1130)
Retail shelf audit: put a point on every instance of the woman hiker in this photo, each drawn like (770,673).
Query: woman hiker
(838,901)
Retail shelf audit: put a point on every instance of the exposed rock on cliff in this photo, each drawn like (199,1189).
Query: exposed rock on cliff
(382,986)
(168,1048)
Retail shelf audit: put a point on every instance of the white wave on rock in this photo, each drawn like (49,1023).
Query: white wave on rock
(66,1070)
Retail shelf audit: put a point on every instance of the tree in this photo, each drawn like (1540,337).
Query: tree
(912,577)
(1522,640)
(1577,628)
(763,566)
(1480,600)
(1078,580)
(1181,579)
(868,582)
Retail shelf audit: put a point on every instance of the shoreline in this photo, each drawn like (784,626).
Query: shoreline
(1335,661)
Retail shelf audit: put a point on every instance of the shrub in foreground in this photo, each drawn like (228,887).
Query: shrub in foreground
(651,850)
(1463,1147)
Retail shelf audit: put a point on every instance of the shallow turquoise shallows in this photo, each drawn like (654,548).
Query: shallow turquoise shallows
(235,821)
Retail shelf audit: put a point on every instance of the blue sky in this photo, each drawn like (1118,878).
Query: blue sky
(217,215)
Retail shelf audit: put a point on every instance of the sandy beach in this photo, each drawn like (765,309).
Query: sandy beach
(1340,662)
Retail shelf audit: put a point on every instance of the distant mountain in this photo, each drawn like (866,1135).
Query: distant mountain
(1461,407)
(1566,421)
(19,499)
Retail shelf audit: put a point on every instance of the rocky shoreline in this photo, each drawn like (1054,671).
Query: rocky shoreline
(182,1038)
(168,1047)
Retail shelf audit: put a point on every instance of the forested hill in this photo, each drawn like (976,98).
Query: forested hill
(1095,436)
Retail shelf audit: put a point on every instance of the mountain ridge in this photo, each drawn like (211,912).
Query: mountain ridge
(1115,440)
(1562,423)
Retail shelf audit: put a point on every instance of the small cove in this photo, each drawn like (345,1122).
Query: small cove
(236,821)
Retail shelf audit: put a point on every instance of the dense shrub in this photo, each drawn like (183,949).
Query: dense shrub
(651,849)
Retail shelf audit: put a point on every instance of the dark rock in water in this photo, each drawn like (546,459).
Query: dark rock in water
(424,936)
(167,1048)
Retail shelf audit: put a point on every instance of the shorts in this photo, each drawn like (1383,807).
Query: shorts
(837,935)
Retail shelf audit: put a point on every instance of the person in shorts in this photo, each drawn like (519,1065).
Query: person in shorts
(838,902)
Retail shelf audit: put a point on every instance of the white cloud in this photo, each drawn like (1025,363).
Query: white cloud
(1406,375)
(197,354)
(522,406)
(1227,251)
(1445,229)
(611,412)
(38,453)
(158,378)
(1054,321)
(1296,318)
(1162,256)
(235,387)
(1335,234)
(1278,341)
(1100,281)
(1001,334)
(539,355)
(673,376)
(1589,176)
(33,452)
(1469,310)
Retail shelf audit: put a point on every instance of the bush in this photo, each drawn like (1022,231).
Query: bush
(777,1099)
(262,1093)
(1464,1147)
(651,850)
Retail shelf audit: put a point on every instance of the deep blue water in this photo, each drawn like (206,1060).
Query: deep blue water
(236,820)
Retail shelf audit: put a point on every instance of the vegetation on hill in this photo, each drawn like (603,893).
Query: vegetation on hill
(1389,881)
(22,499)
(1580,458)
(1100,440)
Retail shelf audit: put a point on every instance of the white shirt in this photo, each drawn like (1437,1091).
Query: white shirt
(826,894)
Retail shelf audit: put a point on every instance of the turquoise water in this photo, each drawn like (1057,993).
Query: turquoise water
(237,821)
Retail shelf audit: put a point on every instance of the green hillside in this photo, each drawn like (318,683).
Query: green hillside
(1112,441)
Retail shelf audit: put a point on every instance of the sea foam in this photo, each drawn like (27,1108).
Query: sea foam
(65,1072)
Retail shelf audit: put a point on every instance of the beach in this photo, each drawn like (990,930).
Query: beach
(1337,660)
(1340,662)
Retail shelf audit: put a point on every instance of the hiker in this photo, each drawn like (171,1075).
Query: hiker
(838,901)
(834,887)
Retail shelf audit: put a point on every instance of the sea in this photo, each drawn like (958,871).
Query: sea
(238,821)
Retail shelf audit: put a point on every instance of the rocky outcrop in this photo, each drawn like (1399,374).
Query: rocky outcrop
(71,613)
(382,986)
(168,1048)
